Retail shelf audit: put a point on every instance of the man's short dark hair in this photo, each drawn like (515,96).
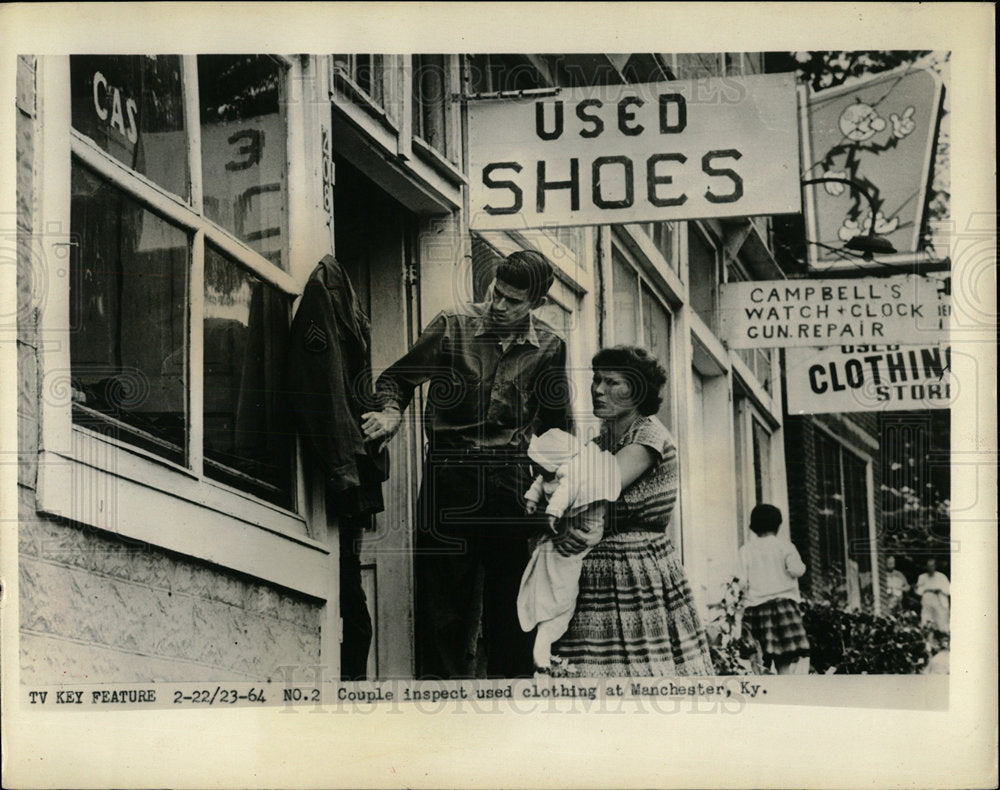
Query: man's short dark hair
(644,373)
(528,271)
(765,520)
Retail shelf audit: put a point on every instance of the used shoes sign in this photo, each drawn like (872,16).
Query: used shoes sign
(635,153)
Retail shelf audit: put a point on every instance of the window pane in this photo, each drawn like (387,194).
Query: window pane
(625,290)
(243,146)
(698,65)
(494,73)
(368,74)
(702,276)
(831,515)
(133,108)
(761,463)
(662,234)
(859,548)
(373,75)
(128,313)
(742,484)
(248,443)
(485,260)
(570,239)
(763,369)
(656,337)
(430,97)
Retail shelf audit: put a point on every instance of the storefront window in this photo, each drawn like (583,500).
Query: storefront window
(128,313)
(243,149)
(845,542)
(132,107)
(247,440)
(132,298)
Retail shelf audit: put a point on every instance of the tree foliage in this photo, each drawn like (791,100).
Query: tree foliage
(916,489)
(828,69)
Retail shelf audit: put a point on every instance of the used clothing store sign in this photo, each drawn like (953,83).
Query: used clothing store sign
(868,378)
(649,152)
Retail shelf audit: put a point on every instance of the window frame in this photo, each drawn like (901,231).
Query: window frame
(661,296)
(447,162)
(384,139)
(715,247)
(572,291)
(744,361)
(747,415)
(104,482)
(390,110)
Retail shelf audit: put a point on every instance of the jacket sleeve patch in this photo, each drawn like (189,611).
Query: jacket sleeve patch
(315,339)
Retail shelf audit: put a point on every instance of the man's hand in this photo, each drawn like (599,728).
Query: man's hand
(530,507)
(381,426)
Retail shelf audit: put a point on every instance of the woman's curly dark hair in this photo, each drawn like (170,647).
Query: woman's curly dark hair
(643,372)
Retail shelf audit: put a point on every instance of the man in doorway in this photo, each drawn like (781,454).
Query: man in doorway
(497,375)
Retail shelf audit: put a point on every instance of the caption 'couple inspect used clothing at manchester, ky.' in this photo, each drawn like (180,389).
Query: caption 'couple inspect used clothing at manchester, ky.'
(534,551)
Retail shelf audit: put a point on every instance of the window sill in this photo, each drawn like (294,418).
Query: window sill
(101,484)
(355,96)
(438,162)
(709,355)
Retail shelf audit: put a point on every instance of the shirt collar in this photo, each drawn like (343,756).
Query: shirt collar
(527,334)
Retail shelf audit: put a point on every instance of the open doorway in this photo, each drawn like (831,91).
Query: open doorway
(375,243)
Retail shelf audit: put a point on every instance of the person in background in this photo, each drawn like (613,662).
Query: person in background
(771,569)
(935,597)
(896,584)
(497,376)
(635,613)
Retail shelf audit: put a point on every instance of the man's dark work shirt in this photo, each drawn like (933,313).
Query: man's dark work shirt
(483,393)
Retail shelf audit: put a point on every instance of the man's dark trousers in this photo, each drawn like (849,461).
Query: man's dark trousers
(357,636)
(472,535)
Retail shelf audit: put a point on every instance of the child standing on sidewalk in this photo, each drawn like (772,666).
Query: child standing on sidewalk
(771,569)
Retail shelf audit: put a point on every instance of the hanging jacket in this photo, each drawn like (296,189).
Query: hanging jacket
(329,385)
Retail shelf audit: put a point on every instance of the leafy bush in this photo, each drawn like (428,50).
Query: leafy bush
(860,643)
(734,649)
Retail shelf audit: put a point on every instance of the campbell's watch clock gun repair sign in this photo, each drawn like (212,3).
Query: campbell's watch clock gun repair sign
(646,152)
(879,310)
